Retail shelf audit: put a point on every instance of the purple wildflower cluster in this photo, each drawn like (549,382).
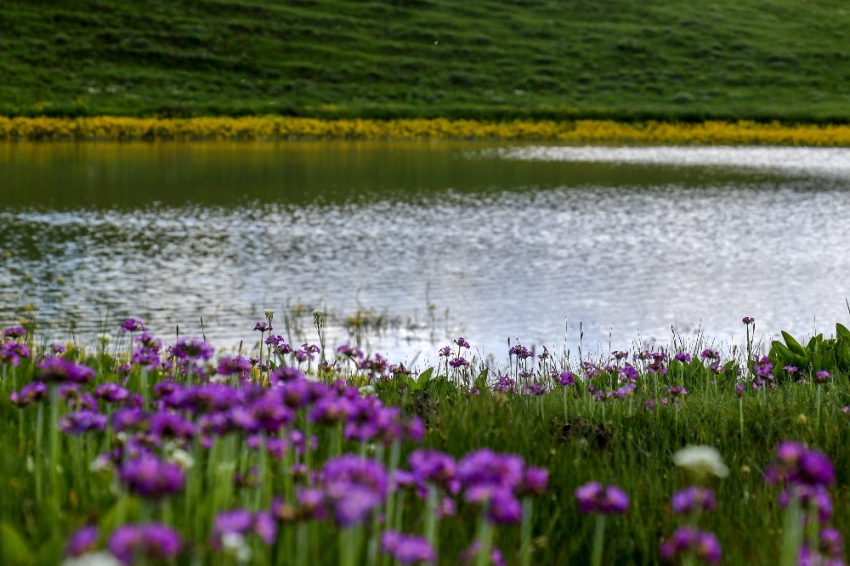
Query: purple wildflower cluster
(689,541)
(685,541)
(806,475)
(594,498)
(407,549)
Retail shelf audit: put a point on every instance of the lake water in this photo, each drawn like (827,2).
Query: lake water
(488,241)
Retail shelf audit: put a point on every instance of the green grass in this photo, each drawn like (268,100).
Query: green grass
(486,59)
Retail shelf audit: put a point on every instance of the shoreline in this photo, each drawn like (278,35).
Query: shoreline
(598,132)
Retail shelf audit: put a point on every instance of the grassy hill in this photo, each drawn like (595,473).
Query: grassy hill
(486,59)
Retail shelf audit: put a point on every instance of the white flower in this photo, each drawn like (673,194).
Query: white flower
(269,313)
(366,389)
(100,464)
(182,458)
(104,338)
(701,461)
(235,543)
(93,559)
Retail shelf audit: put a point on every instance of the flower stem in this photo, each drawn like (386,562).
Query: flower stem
(598,541)
(525,545)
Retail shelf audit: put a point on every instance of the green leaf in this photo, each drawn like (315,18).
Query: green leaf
(424,377)
(793,345)
(50,553)
(841,332)
(13,550)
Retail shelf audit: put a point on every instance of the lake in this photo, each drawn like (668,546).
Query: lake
(438,239)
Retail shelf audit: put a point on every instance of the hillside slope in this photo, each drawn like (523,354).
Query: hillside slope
(488,59)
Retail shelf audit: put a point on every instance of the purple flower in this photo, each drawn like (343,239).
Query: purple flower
(132,325)
(822,377)
(484,472)
(171,425)
(748,320)
(60,370)
(130,418)
(692,499)
(242,522)
(82,541)
(348,351)
(467,557)
(111,392)
(799,465)
(233,365)
(29,394)
(566,378)
(149,341)
(815,468)
(81,421)
(445,351)
(690,540)
(676,391)
(534,481)
(434,467)
(459,362)
(814,498)
(150,477)
(520,351)
(462,343)
(263,326)
(154,542)
(355,486)
(595,498)
(14,332)
(12,352)
(503,508)
(407,549)
(831,543)
(739,390)
(239,522)
(683,357)
(192,349)
(709,355)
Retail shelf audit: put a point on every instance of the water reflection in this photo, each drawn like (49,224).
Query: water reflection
(511,247)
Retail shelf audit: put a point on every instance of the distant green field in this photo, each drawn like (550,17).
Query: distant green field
(485,59)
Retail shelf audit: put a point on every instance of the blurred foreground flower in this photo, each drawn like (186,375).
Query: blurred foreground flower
(702,461)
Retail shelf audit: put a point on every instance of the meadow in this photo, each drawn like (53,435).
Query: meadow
(490,60)
(177,453)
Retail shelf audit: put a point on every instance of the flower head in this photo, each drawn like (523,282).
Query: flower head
(132,325)
(407,549)
(155,542)
(692,499)
(60,370)
(690,540)
(14,332)
(701,461)
(594,498)
(150,477)
(82,541)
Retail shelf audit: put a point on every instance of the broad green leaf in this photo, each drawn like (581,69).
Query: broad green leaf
(13,548)
(841,332)
(793,345)
(424,377)
(50,553)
